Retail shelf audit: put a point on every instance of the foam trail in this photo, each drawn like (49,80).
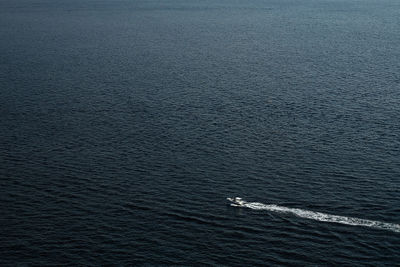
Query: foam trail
(323,217)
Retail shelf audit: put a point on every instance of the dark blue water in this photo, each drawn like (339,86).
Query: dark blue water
(125,125)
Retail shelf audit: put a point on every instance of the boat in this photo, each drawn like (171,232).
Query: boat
(236,201)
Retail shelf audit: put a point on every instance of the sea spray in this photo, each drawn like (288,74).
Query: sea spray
(324,217)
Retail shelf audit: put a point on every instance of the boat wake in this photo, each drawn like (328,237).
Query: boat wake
(323,217)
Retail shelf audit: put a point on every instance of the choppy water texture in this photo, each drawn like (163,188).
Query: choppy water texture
(125,125)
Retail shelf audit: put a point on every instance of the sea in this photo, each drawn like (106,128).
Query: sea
(125,125)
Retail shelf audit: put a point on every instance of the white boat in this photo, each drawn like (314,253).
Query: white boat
(237,201)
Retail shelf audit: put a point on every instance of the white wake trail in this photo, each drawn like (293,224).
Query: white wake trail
(323,217)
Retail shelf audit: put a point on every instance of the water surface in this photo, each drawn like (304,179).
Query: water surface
(125,125)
